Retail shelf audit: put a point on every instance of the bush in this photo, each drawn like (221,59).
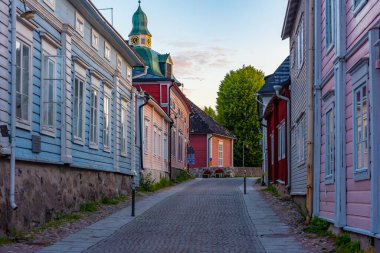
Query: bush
(109,201)
(162,184)
(146,183)
(182,177)
(88,207)
(345,245)
(319,227)
(272,190)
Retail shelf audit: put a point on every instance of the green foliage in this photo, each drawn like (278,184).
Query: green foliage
(88,207)
(146,183)
(238,112)
(258,181)
(210,112)
(163,183)
(5,241)
(345,245)
(60,220)
(182,177)
(272,190)
(319,227)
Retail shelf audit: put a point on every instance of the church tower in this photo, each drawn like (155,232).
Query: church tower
(140,35)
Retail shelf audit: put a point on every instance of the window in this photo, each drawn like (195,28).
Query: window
(129,73)
(107,121)
(283,141)
(173,137)
(293,56)
(329,146)
(358,5)
(79,24)
(220,153)
(146,136)
(94,117)
(23,69)
(159,143)
(118,62)
(165,147)
(279,140)
(50,3)
(168,70)
(154,142)
(300,45)
(48,95)
(107,51)
(330,23)
(124,127)
(272,147)
(95,39)
(78,108)
(360,128)
(143,41)
(300,142)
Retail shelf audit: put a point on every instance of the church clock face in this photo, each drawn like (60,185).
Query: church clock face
(148,42)
(135,40)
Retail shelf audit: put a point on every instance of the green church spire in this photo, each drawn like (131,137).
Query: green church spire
(140,22)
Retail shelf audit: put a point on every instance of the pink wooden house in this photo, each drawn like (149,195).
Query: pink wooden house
(347,114)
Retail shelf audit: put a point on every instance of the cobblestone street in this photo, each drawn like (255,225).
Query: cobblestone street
(209,215)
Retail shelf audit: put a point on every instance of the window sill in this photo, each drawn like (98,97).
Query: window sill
(22,124)
(361,174)
(94,146)
(107,149)
(78,141)
(123,155)
(329,48)
(329,180)
(48,131)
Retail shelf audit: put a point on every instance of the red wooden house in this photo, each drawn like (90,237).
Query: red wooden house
(212,143)
(275,114)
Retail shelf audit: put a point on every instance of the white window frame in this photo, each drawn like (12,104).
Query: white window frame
(129,73)
(107,131)
(94,118)
(165,147)
(95,39)
(300,45)
(146,136)
(124,127)
(79,24)
(220,153)
(46,128)
(361,172)
(50,3)
(119,63)
(283,140)
(25,123)
(173,142)
(79,138)
(330,24)
(272,147)
(160,143)
(107,48)
(154,141)
(329,144)
(279,142)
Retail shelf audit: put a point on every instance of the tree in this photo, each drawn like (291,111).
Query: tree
(210,112)
(237,111)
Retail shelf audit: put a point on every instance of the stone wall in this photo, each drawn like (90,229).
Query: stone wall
(45,190)
(229,172)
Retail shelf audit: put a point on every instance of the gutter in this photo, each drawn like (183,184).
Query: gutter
(13,108)
(143,74)
(208,151)
(288,128)
(146,97)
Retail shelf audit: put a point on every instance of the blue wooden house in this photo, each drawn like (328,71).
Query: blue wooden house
(73,108)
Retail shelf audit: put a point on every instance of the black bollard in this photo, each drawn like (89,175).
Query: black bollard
(245,183)
(133,198)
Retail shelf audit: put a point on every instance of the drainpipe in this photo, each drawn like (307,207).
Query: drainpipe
(146,97)
(310,125)
(13,109)
(208,151)
(277,88)
(170,133)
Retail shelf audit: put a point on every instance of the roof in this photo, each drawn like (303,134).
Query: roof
(140,23)
(92,14)
(280,77)
(290,17)
(201,123)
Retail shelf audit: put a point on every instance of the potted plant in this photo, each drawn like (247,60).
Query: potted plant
(206,173)
(219,173)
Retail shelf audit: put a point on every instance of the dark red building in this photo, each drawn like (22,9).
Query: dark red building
(275,104)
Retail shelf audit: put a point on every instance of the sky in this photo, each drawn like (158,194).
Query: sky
(208,38)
